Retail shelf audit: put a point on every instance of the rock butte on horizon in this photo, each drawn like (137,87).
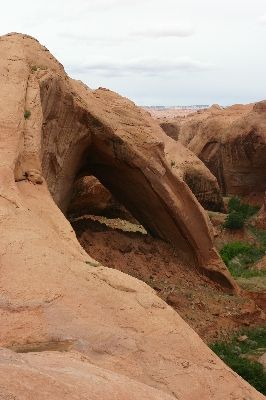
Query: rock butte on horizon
(122,331)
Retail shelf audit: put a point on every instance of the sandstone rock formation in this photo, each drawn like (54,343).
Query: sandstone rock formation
(73,132)
(70,376)
(231,143)
(171,127)
(91,197)
(124,332)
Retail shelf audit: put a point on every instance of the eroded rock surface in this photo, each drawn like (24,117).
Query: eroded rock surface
(91,197)
(132,338)
(70,376)
(73,131)
(231,143)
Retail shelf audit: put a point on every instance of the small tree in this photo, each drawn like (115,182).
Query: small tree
(234,220)
(234,204)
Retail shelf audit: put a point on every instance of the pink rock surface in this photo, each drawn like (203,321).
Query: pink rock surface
(132,341)
(53,375)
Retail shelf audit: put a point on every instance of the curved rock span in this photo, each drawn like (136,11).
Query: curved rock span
(121,329)
(73,131)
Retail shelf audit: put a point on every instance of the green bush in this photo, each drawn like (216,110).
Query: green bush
(239,256)
(93,264)
(27,114)
(234,204)
(248,211)
(231,250)
(254,273)
(234,220)
(232,354)
(238,213)
(34,68)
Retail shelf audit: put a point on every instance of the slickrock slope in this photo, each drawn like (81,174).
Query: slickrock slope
(231,143)
(124,333)
(66,376)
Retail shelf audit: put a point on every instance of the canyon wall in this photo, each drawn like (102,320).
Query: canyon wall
(230,142)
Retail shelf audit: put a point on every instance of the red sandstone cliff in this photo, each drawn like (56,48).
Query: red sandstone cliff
(231,143)
(125,338)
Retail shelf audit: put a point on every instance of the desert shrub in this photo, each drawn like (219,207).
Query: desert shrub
(232,354)
(248,211)
(93,264)
(234,220)
(239,256)
(34,68)
(27,114)
(231,250)
(234,204)
(238,213)
(254,273)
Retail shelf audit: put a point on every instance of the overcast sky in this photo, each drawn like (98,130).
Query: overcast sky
(155,52)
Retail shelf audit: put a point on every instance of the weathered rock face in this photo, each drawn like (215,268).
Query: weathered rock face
(190,169)
(88,132)
(171,128)
(69,376)
(91,197)
(48,293)
(243,156)
(231,143)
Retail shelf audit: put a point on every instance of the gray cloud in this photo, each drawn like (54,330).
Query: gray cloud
(180,29)
(149,66)
(95,40)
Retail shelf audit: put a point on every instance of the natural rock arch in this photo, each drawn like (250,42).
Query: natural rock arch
(73,129)
(100,133)
(50,292)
